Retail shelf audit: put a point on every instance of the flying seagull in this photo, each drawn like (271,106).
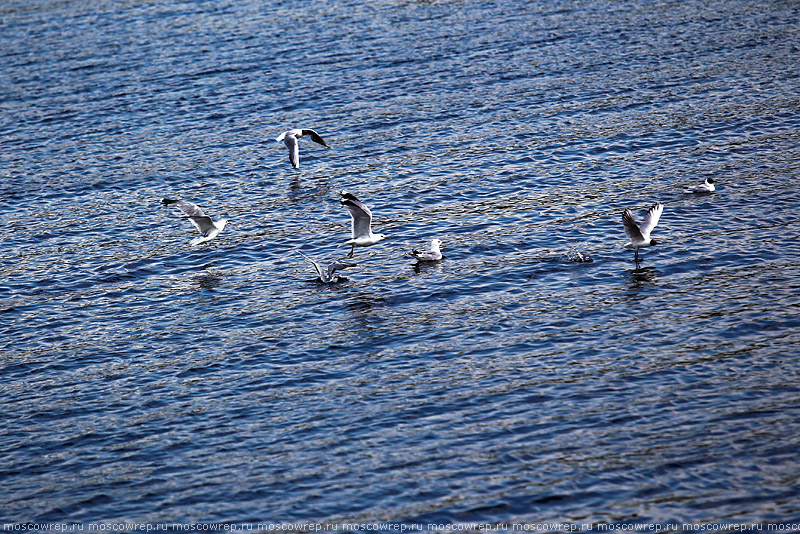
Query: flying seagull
(329,275)
(361,222)
(434,254)
(200,220)
(291,139)
(706,187)
(640,234)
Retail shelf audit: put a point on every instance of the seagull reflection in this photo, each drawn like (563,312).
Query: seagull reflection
(642,276)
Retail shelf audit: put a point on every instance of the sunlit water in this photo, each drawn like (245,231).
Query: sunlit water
(144,379)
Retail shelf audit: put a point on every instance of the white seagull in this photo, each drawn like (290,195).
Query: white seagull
(361,218)
(290,139)
(640,234)
(706,187)
(328,275)
(200,220)
(434,254)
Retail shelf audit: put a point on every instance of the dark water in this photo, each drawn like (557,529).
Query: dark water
(147,380)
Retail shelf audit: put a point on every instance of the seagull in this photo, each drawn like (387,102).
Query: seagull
(290,139)
(361,222)
(200,220)
(434,254)
(640,234)
(328,275)
(706,187)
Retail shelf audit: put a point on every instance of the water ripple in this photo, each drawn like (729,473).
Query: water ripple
(149,380)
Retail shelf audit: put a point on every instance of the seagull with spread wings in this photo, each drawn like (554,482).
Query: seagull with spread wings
(361,218)
(639,234)
(291,139)
(328,275)
(200,220)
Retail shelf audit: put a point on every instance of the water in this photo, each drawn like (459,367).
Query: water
(146,380)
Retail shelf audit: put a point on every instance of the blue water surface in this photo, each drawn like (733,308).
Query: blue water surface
(147,380)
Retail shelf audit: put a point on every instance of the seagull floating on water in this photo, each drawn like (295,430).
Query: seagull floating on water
(361,218)
(434,254)
(290,139)
(706,187)
(200,220)
(328,275)
(639,234)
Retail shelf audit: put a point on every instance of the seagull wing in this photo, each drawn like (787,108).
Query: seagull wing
(337,265)
(651,219)
(191,210)
(425,255)
(315,264)
(706,187)
(348,196)
(631,228)
(360,214)
(294,150)
(200,220)
(315,137)
(204,224)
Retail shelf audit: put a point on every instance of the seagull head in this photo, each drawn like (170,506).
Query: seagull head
(653,242)
(709,180)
